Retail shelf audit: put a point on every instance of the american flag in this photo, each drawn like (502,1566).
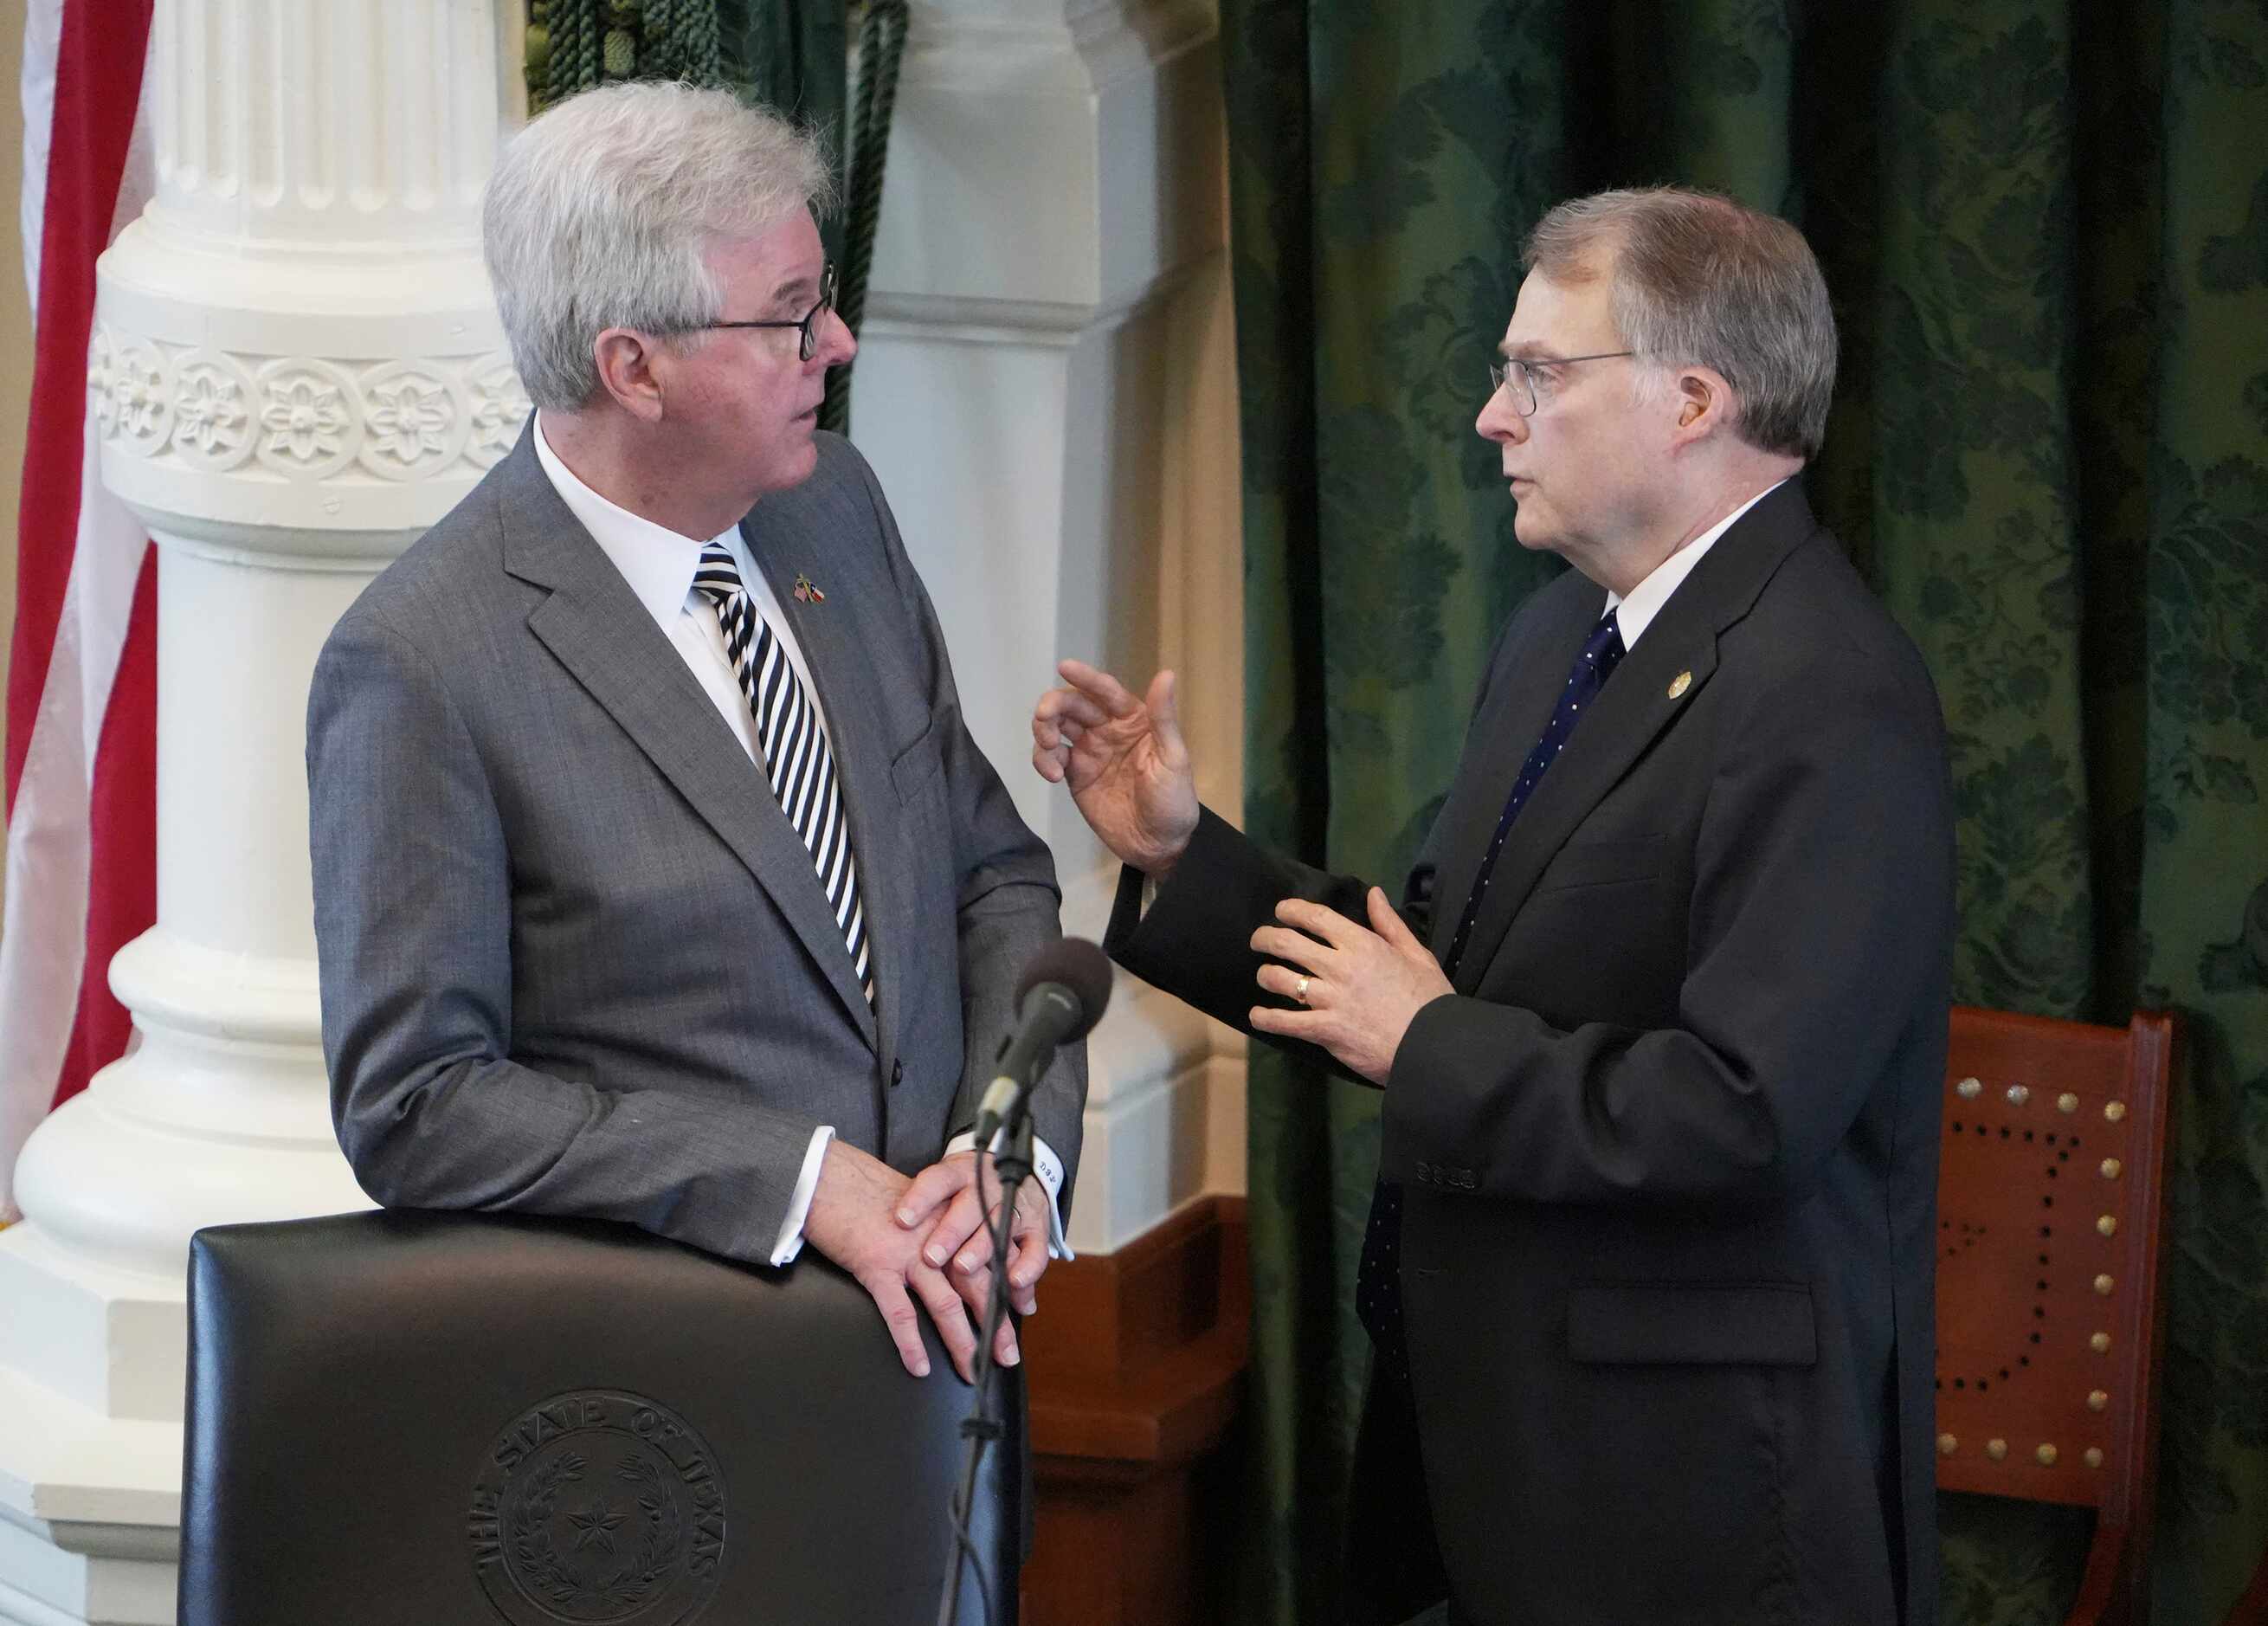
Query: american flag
(82,677)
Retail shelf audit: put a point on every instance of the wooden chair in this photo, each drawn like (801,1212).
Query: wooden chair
(2051,1318)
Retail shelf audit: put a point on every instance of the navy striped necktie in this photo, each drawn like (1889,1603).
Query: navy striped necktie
(796,757)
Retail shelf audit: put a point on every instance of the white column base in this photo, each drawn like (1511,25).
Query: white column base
(90,1512)
(217,1114)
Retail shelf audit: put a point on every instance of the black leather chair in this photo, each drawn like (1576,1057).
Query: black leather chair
(418,1419)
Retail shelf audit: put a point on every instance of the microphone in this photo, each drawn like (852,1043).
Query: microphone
(1060,999)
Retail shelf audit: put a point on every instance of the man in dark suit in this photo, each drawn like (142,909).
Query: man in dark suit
(1661,1021)
(656,878)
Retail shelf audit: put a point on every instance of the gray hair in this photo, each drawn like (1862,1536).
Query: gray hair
(1699,280)
(599,212)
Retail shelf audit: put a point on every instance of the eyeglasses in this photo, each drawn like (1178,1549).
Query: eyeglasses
(1519,375)
(806,324)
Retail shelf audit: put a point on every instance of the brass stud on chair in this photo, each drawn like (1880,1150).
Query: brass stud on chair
(2108,1225)
(1969,1089)
(2018,1095)
(2094,1456)
(2102,1286)
(1946,1445)
(2066,1102)
(2100,1343)
(2046,1455)
(2115,1111)
(2110,1167)
(1996,1448)
(2096,1399)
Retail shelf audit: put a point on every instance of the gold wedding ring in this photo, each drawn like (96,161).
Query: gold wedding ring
(1300,992)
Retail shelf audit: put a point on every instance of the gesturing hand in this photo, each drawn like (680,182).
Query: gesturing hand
(1124,761)
(1360,988)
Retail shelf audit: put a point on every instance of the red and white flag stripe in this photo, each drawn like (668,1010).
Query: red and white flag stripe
(81,679)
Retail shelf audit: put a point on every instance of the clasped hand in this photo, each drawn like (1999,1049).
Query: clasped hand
(928,1238)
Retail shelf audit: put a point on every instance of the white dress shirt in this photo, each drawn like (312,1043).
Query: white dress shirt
(1636,613)
(659,564)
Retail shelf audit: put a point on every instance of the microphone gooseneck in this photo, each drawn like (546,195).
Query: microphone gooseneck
(1061,997)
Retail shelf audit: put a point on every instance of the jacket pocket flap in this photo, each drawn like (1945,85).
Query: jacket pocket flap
(1602,863)
(1759,1324)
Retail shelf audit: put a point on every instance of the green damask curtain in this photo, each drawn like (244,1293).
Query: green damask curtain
(2045,223)
(787,54)
(791,55)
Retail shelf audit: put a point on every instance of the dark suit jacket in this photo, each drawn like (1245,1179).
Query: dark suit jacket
(1669,1152)
(575,960)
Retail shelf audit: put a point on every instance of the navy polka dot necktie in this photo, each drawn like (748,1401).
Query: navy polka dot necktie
(1378,1279)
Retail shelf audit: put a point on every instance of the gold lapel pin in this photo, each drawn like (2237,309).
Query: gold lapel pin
(1680,683)
(807,594)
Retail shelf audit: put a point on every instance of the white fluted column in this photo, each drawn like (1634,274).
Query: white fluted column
(1046,385)
(296,368)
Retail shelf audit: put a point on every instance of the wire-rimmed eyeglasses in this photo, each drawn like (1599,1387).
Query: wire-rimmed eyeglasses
(1518,375)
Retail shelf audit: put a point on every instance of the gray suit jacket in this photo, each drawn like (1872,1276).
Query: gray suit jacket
(575,960)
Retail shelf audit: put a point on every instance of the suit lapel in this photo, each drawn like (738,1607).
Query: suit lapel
(596,628)
(859,735)
(1649,691)
(1519,704)
(1633,707)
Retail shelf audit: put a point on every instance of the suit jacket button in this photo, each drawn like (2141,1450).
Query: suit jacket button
(897,1073)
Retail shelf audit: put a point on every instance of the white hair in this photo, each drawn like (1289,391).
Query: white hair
(600,210)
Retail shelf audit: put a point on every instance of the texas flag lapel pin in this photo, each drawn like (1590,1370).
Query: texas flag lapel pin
(807,594)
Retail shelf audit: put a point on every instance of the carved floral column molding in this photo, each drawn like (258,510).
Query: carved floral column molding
(300,418)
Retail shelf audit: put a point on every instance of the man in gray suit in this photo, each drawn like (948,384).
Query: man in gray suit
(656,878)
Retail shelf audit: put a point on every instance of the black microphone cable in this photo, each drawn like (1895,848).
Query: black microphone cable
(1009,1174)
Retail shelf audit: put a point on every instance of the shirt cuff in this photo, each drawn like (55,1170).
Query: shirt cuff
(799,1207)
(1047,1166)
